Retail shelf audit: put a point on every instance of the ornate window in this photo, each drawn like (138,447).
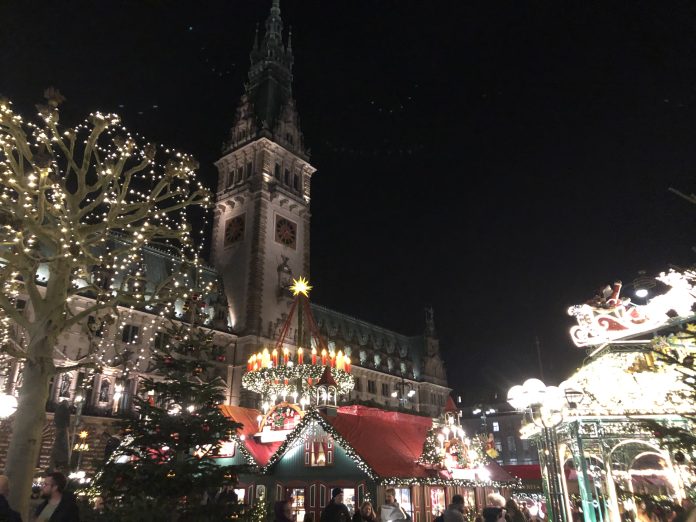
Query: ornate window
(319,451)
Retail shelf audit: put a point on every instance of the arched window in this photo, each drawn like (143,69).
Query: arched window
(104,391)
(65,382)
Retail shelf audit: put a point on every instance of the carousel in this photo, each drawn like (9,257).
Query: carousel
(602,434)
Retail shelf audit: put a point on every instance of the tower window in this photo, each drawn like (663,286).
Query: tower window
(276,171)
(287,177)
(248,169)
(230,178)
(240,174)
(288,137)
(296,182)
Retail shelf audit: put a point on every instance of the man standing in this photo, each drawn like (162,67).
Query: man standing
(59,505)
(7,513)
(391,510)
(455,511)
(336,510)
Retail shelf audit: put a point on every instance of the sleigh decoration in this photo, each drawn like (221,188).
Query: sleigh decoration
(609,317)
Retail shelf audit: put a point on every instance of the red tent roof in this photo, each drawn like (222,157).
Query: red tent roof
(524,471)
(247,417)
(389,442)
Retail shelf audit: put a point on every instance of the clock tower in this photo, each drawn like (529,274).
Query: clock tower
(261,223)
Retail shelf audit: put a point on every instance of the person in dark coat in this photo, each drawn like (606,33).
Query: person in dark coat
(6,512)
(336,510)
(283,511)
(59,505)
(365,513)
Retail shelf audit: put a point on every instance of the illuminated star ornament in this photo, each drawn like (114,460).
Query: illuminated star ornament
(300,286)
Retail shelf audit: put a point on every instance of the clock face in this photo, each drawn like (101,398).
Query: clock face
(234,230)
(286,232)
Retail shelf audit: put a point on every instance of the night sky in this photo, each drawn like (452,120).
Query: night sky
(498,160)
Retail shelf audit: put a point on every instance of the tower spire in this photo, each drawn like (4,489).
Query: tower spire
(273,39)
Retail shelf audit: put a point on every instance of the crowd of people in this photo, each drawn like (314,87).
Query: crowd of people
(497,510)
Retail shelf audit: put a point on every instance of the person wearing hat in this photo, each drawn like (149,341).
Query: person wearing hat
(336,510)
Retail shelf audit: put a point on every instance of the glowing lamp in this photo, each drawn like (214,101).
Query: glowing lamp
(8,405)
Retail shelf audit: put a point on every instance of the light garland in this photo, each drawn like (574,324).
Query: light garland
(293,380)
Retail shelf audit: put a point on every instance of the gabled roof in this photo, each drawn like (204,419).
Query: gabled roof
(248,418)
(393,456)
(390,442)
(327,379)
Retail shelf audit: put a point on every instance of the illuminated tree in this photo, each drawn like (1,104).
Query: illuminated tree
(79,204)
(167,460)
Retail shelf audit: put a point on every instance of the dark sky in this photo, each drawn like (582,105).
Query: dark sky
(498,160)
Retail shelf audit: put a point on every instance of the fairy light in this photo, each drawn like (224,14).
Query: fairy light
(131,198)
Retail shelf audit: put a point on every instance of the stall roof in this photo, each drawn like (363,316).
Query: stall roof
(389,442)
(524,471)
(248,418)
(392,442)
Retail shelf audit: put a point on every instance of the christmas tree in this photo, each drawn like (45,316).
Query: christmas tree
(165,463)
(431,454)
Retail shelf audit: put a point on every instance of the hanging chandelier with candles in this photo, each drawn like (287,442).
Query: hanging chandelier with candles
(288,374)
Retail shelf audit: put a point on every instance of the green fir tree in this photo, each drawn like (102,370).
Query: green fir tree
(165,463)
(431,453)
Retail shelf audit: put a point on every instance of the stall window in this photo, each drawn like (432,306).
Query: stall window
(297,496)
(469,495)
(403,497)
(349,499)
(437,501)
(240,492)
(319,451)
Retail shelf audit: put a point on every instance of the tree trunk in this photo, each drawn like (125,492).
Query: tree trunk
(27,428)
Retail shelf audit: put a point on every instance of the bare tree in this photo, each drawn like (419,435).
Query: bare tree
(80,203)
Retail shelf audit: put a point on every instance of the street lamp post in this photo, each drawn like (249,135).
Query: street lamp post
(403,392)
(543,406)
